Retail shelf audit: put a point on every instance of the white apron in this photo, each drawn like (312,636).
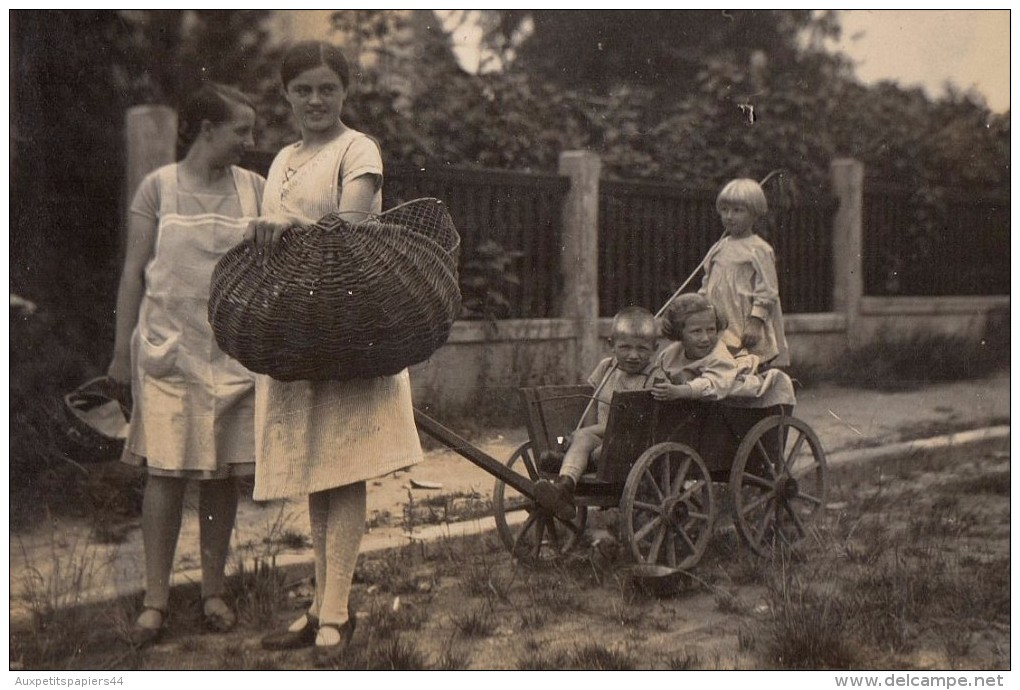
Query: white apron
(193,412)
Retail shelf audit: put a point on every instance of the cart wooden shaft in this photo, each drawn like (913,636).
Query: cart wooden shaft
(465,449)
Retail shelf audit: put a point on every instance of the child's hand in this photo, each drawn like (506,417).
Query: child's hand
(753,332)
(664,390)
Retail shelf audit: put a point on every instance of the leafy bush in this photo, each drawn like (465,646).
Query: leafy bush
(898,363)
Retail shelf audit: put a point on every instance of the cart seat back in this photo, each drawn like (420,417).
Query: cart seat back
(553,411)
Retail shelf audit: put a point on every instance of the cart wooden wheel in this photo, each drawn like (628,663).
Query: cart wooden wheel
(532,536)
(667,506)
(778,482)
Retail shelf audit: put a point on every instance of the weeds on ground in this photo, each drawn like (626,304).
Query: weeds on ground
(886,585)
(451,658)
(477,622)
(259,591)
(687,661)
(54,592)
(589,657)
(258,586)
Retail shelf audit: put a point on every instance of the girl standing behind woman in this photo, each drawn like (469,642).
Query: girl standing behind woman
(324,439)
(740,277)
(193,409)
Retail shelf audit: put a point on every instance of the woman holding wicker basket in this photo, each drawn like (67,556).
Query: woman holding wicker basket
(193,406)
(323,438)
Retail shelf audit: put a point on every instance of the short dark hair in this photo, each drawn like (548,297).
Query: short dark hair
(307,55)
(211,102)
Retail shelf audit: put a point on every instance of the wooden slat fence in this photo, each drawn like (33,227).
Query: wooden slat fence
(519,211)
(937,245)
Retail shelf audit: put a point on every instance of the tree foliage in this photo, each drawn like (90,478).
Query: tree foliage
(693,96)
(74,74)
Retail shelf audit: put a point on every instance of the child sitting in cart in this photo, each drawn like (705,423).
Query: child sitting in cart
(699,365)
(634,340)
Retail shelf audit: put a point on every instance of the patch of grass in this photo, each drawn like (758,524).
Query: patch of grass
(481,578)
(292,539)
(598,657)
(687,661)
(867,542)
(555,599)
(393,655)
(53,589)
(479,622)
(532,619)
(943,520)
(727,602)
(393,571)
(980,591)
(808,630)
(993,483)
(627,614)
(259,591)
(387,619)
(451,658)
(543,660)
(746,639)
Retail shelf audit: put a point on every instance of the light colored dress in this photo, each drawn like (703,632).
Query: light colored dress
(193,405)
(741,282)
(721,376)
(317,435)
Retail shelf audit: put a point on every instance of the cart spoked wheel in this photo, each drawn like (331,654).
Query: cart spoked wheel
(532,535)
(778,483)
(667,506)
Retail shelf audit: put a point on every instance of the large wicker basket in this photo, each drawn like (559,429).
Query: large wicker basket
(339,301)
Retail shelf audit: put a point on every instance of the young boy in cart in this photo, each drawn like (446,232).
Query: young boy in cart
(634,340)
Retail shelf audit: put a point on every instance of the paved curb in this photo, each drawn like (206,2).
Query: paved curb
(886,459)
(938,448)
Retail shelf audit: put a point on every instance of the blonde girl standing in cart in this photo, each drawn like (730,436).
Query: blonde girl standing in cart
(324,439)
(740,277)
(193,407)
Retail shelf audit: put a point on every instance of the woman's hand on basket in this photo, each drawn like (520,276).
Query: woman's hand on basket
(264,234)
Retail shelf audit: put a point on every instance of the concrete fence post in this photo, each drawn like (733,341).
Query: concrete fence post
(150,133)
(848,244)
(580,258)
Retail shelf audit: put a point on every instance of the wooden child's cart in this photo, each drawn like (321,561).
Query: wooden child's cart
(661,464)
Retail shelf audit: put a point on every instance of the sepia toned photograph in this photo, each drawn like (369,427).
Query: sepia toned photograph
(510,340)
